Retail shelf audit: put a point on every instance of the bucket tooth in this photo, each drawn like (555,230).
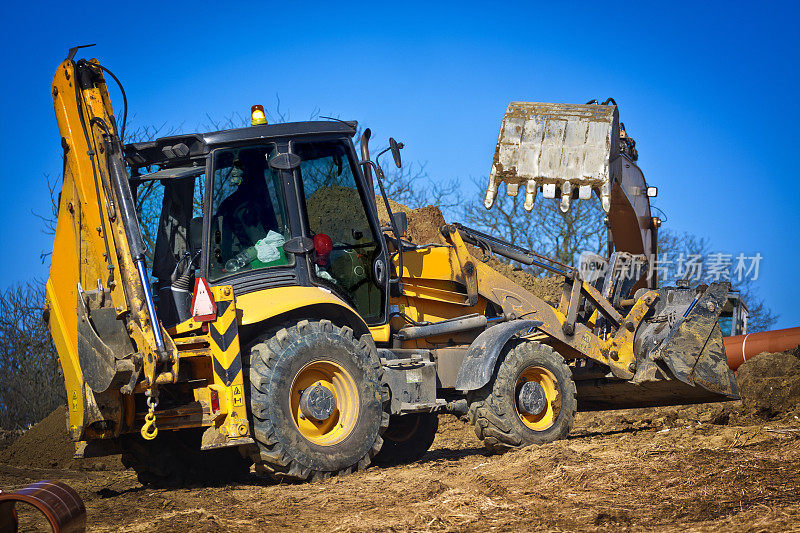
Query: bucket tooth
(566,196)
(605,196)
(549,190)
(531,188)
(491,191)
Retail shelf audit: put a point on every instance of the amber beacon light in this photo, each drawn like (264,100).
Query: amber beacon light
(257,115)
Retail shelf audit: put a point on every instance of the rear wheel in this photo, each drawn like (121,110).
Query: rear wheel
(174,458)
(407,438)
(530,400)
(317,403)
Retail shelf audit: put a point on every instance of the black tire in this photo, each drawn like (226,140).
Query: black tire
(407,438)
(493,408)
(174,459)
(273,366)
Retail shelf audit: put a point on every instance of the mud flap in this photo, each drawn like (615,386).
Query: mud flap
(693,351)
(481,358)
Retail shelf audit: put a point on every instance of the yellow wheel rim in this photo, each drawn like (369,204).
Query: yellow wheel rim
(341,422)
(548,382)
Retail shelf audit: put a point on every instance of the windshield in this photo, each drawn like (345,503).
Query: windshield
(249,224)
(347,248)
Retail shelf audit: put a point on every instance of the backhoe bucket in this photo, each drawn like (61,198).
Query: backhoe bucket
(562,147)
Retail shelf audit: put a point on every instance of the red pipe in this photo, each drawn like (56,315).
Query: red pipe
(740,348)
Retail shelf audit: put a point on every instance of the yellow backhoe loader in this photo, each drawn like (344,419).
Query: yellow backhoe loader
(230,298)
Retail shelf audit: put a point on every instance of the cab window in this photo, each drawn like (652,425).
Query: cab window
(170,215)
(346,246)
(170,211)
(249,224)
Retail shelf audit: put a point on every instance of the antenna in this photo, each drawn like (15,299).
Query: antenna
(74,50)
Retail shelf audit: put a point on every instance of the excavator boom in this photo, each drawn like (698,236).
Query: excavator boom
(570,150)
(97,266)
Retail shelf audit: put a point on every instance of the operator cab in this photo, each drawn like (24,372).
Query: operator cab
(257,208)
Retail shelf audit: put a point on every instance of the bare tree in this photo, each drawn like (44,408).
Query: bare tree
(412,186)
(546,229)
(31,383)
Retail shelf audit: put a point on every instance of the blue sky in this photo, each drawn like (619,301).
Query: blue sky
(708,90)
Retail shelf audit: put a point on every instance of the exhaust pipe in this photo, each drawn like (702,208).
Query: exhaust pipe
(740,348)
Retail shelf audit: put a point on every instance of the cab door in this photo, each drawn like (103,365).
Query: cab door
(349,256)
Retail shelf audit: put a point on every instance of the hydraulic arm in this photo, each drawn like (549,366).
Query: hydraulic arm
(99,297)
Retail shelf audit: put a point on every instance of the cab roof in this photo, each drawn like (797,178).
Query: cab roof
(178,150)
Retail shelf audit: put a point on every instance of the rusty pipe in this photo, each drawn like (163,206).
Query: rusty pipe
(58,502)
(740,348)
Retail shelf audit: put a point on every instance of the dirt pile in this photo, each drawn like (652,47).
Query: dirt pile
(7,437)
(397,207)
(547,288)
(424,224)
(770,383)
(47,445)
(331,210)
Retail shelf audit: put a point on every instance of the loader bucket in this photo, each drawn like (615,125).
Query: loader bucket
(680,357)
(691,350)
(564,147)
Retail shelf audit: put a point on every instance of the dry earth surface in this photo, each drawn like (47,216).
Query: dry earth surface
(701,468)
(733,466)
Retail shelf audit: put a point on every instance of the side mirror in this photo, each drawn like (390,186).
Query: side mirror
(285,161)
(652,192)
(400,222)
(299,245)
(396,147)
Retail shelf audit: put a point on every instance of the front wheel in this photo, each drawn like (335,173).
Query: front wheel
(530,400)
(317,402)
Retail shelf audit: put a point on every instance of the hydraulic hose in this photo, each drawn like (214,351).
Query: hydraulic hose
(440,328)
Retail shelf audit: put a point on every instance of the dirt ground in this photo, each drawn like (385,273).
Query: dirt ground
(711,467)
(701,468)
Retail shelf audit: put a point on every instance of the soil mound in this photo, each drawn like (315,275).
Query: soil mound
(769,383)
(331,209)
(47,445)
(397,207)
(7,437)
(547,288)
(424,224)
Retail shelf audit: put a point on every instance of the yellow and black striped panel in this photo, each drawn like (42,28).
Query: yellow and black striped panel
(225,349)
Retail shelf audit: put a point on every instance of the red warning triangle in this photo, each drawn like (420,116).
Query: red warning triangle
(203,307)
